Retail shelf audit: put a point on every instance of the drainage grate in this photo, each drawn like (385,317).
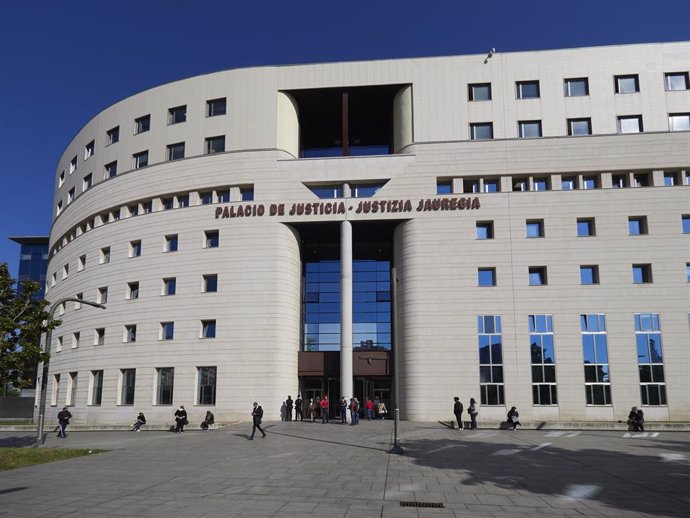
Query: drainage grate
(437,505)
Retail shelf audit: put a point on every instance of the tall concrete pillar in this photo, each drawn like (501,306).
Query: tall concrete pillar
(346,382)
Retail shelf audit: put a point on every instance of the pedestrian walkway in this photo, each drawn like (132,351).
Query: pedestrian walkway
(329,470)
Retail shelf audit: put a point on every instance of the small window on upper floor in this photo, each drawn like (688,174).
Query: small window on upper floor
(169,286)
(132,290)
(208,329)
(541,184)
(485,229)
(679,121)
(212,239)
(537,276)
(58,208)
(527,89)
(685,222)
(104,255)
(637,225)
(215,145)
(641,180)
(222,195)
(112,136)
(89,149)
(135,248)
(444,186)
(590,182)
(627,84)
(140,159)
(578,127)
(209,283)
(73,165)
(206,197)
(589,274)
(142,124)
(520,184)
(676,81)
(326,192)
(167,203)
(642,273)
(247,193)
(182,200)
(486,276)
(110,170)
(365,190)
(619,181)
(481,130)
(177,114)
(585,227)
(87,182)
(491,185)
(81,263)
(216,107)
(479,92)
(671,179)
(529,129)
(471,185)
(61,179)
(147,207)
(175,151)
(133,210)
(630,124)
(70,195)
(102,295)
(576,87)
(568,183)
(171,242)
(534,228)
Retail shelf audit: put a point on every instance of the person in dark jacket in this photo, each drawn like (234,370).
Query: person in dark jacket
(457,410)
(141,421)
(632,417)
(343,410)
(472,410)
(639,421)
(298,408)
(208,420)
(180,419)
(257,414)
(63,418)
(288,408)
(514,418)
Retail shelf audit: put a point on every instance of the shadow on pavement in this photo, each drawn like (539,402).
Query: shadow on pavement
(20,441)
(13,490)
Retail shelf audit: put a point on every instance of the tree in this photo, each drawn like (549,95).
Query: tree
(23,320)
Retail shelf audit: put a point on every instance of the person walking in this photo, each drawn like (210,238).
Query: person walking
(288,408)
(355,410)
(382,410)
(457,410)
(343,411)
(298,408)
(311,410)
(141,421)
(472,410)
(257,414)
(369,406)
(514,418)
(353,418)
(324,409)
(180,419)
(63,419)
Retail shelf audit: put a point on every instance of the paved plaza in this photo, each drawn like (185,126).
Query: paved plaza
(320,470)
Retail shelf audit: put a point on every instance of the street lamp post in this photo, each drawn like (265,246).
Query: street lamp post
(396,367)
(46,363)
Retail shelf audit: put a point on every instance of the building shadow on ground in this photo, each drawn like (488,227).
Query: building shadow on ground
(18,441)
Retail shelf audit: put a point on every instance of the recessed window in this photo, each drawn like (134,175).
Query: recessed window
(490,359)
(70,195)
(579,127)
(541,184)
(177,115)
(485,229)
(206,197)
(58,208)
(212,239)
(210,283)
(110,169)
(628,84)
(642,273)
(216,107)
(169,286)
(130,333)
(520,184)
(166,379)
(365,190)
(87,182)
(207,386)
(687,271)
(99,336)
(135,248)
(147,207)
(527,89)
(537,275)
(619,181)
(89,149)
(182,200)
(140,159)
(590,182)
(534,228)
(479,92)
(175,151)
(641,180)
(215,145)
(142,124)
(132,290)
(589,274)
(637,225)
(444,187)
(491,185)
(685,220)
(75,339)
(223,195)
(676,81)
(529,129)
(65,271)
(171,242)
(208,329)
(481,131)
(167,330)
(105,255)
(471,185)
(486,276)
(568,183)
(81,262)
(630,124)
(247,193)
(167,203)
(576,87)
(679,121)
(58,346)
(128,380)
(96,388)
(585,227)
(112,136)
(595,356)
(133,210)
(670,179)
(61,179)
(102,295)
(73,165)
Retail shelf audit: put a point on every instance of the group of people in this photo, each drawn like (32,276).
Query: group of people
(513,417)
(636,419)
(314,409)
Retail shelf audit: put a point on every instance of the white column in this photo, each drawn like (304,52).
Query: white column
(346,382)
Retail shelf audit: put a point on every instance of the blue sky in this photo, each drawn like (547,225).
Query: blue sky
(63,62)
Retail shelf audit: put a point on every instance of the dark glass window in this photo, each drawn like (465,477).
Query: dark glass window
(128,383)
(215,144)
(142,124)
(177,115)
(216,107)
(479,92)
(543,360)
(166,381)
(490,360)
(97,393)
(527,89)
(207,385)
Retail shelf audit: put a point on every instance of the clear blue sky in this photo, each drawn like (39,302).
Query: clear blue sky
(63,62)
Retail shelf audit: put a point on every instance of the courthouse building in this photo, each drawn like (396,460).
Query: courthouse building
(513,227)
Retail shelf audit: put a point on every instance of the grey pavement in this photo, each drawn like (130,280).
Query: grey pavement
(331,470)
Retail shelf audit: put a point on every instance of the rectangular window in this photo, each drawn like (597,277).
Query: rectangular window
(481,130)
(534,228)
(576,87)
(99,336)
(679,121)
(596,359)
(140,160)
(61,179)
(541,184)
(102,295)
(568,183)
(167,330)
(527,89)
(207,386)
(105,255)
(147,207)
(71,398)
(169,286)
(470,185)
(212,239)
(87,182)
(70,195)
(75,339)
(58,209)
(687,272)
(485,229)
(589,274)
(96,387)
(627,84)
(479,92)
(637,225)
(132,290)
(73,165)
(685,221)
(586,227)
(490,360)
(166,382)
(491,185)
(366,190)
(590,182)
(619,181)
(210,283)
(128,377)
(216,107)
(223,195)
(110,170)
(65,271)
(208,329)
(142,124)
(520,184)
(630,124)
(58,344)
(543,360)
(133,210)
(89,149)
(55,390)
(676,81)
(167,203)
(537,275)
(650,359)
(579,126)
(130,333)
(215,145)
(670,179)
(182,200)
(247,193)
(206,197)
(112,136)
(642,273)
(175,151)
(486,276)
(177,114)
(444,187)
(170,243)
(529,129)
(135,248)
